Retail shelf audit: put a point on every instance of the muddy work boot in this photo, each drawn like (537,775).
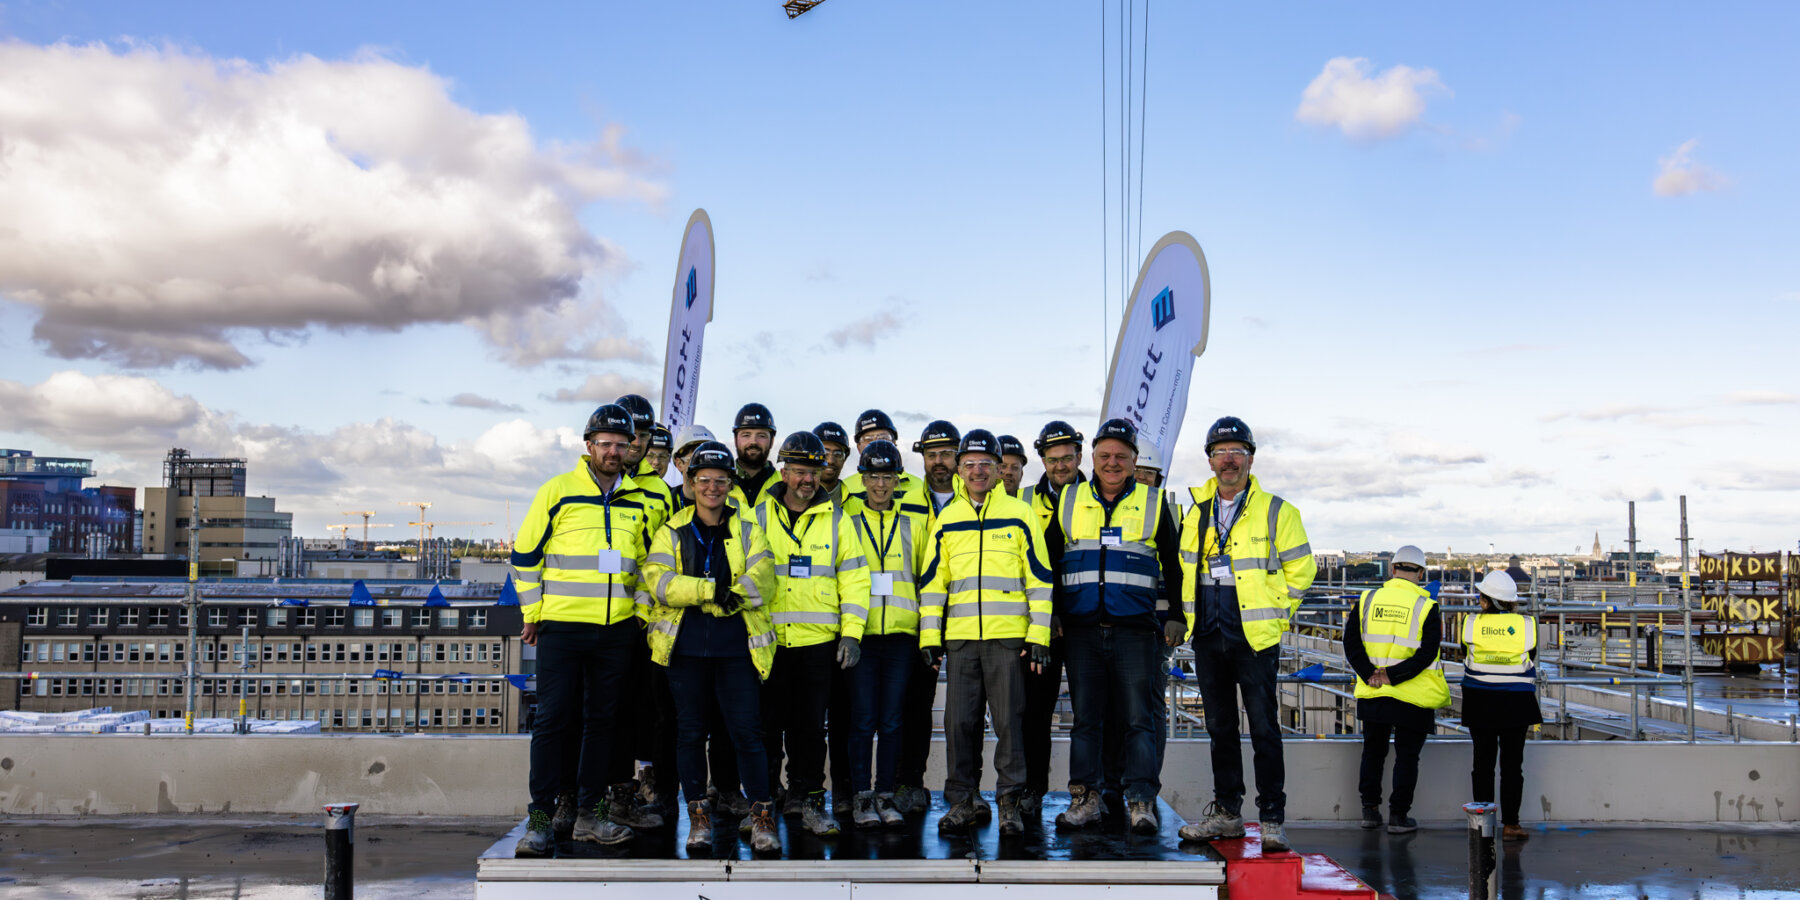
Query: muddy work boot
(1142,816)
(628,809)
(763,837)
(1401,823)
(562,824)
(891,817)
(862,811)
(597,826)
(909,800)
(814,817)
(1012,823)
(1031,803)
(1274,838)
(984,811)
(731,803)
(1215,823)
(700,827)
(537,839)
(1085,808)
(960,817)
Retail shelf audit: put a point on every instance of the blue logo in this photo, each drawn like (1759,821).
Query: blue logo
(1162,309)
(694,287)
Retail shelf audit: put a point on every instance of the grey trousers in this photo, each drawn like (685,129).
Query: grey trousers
(990,676)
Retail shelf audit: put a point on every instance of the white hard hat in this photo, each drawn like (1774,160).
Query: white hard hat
(690,436)
(1409,555)
(1148,457)
(1500,586)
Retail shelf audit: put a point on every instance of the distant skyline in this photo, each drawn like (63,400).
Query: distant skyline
(1480,275)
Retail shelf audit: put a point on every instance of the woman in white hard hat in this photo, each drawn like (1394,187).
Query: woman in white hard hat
(1499,695)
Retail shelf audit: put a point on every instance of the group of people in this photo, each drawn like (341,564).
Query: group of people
(691,638)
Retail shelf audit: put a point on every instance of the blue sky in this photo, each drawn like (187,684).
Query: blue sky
(1457,312)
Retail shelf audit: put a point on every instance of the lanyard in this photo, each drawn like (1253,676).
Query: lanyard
(706,549)
(1222,534)
(882,545)
(781,518)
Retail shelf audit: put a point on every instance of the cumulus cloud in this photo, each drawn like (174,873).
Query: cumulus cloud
(161,206)
(73,408)
(604,388)
(476,401)
(1678,174)
(1345,96)
(865,331)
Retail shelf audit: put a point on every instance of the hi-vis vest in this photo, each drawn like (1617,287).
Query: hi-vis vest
(1393,627)
(986,577)
(1498,651)
(1109,564)
(673,591)
(563,544)
(832,598)
(894,544)
(1270,559)
(1042,498)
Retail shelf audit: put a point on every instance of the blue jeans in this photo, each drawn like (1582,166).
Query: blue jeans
(581,673)
(1224,664)
(1113,669)
(725,690)
(877,698)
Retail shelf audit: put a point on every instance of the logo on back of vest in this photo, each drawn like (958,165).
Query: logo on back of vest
(1390,614)
(1497,630)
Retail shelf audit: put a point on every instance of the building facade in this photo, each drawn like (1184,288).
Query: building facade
(42,494)
(233,526)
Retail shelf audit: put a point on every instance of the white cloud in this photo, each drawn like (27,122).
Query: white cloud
(161,206)
(476,401)
(604,388)
(1763,398)
(1678,174)
(1344,96)
(74,408)
(866,330)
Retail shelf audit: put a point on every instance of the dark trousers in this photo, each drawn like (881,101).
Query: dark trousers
(1224,665)
(990,676)
(1407,744)
(725,689)
(1042,690)
(721,754)
(877,701)
(916,724)
(1112,670)
(651,716)
(1113,746)
(581,674)
(794,700)
(1508,744)
(840,725)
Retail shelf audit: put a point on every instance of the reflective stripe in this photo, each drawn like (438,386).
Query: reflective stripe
(1076,579)
(1490,678)
(1251,565)
(1038,595)
(751,562)
(1040,620)
(987,583)
(1191,557)
(814,572)
(530,596)
(1498,668)
(759,641)
(805,618)
(531,575)
(1258,615)
(854,563)
(895,602)
(1288,556)
(989,608)
(931,623)
(862,612)
(577,561)
(1296,594)
(1065,503)
(660,559)
(1132,547)
(752,597)
(1152,512)
(1274,521)
(584,588)
(932,597)
(662,585)
(1391,639)
(666,626)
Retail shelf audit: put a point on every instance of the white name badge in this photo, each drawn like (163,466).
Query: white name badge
(799,567)
(1112,537)
(1219,566)
(881,584)
(611,562)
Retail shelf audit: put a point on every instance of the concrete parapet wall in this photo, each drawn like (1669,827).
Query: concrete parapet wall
(1617,781)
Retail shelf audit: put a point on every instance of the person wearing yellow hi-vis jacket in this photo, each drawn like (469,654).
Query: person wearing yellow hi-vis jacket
(709,574)
(820,603)
(1391,641)
(1245,564)
(575,564)
(648,706)
(986,601)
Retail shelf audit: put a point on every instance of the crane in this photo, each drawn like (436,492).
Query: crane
(422,505)
(431,528)
(344,531)
(796,7)
(366,514)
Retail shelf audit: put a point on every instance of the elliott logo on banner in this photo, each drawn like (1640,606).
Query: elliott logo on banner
(689,312)
(1163,332)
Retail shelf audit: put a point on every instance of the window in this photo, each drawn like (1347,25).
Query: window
(412,652)
(481,653)
(356,653)
(447,618)
(247,616)
(24,653)
(87,653)
(439,653)
(159,617)
(56,652)
(181,617)
(68,617)
(421,618)
(309,618)
(312,652)
(128,616)
(478,618)
(393,618)
(499,656)
(219,618)
(38,616)
(456,652)
(334,618)
(277,618)
(162,653)
(363,618)
(98,616)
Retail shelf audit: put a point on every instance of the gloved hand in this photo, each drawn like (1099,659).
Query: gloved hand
(1040,655)
(932,656)
(1056,626)
(849,652)
(732,604)
(1173,631)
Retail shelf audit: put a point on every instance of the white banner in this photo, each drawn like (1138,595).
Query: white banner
(689,312)
(1163,332)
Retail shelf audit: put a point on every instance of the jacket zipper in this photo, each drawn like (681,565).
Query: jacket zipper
(980,571)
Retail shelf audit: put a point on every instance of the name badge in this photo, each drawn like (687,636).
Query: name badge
(799,567)
(881,584)
(1112,537)
(1219,566)
(611,562)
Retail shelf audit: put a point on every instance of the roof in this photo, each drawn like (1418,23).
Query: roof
(312,590)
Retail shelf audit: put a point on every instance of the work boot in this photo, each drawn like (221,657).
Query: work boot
(1084,808)
(700,827)
(1031,803)
(1215,823)
(1274,837)
(815,818)
(1401,823)
(1012,824)
(647,791)
(537,839)
(863,812)
(984,811)
(731,803)
(563,823)
(597,826)
(960,817)
(794,805)
(891,817)
(1513,834)
(763,837)
(628,809)
(1371,818)
(1142,815)
(909,799)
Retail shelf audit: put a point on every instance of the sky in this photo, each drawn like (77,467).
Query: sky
(1481,274)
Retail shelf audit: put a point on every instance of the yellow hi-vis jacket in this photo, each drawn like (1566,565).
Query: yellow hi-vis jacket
(832,598)
(1042,498)
(1393,628)
(1270,559)
(569,534)
(1497,649)
(909,494)
(1119,577)
(987,576)
(673,591)
(658,489)
(894,543)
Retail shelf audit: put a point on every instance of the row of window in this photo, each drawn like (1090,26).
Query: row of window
(406,719)
(273,617)
(222,651)
(239,687)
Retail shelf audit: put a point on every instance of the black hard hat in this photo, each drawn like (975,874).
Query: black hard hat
(938,434)
(1227,429)
(753,415)
(802,447)
(979,440)
(710,455)
(611,419)
(1010,446)
(832,433)
(1057,432)
(660,438)
(880,456)
(643,415)
(1117,430)
(874,420)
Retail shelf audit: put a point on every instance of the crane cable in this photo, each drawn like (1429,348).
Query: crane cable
(1131,234)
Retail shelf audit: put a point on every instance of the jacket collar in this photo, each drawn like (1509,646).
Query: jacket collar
(1210,489)
(1044,487)
(626,483)
(775,492)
